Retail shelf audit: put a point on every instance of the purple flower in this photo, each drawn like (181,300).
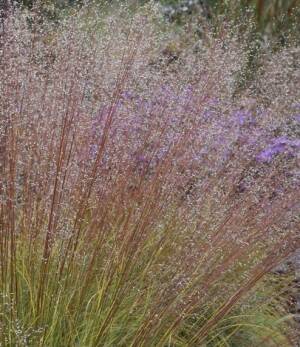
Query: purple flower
(207,114)
(296,106)
(268,154)
(278,146)
(127,95)
(93,151)
(213,101)
(297,117)
(244,117)
(142,159)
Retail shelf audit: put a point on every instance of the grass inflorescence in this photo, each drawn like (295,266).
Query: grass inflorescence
(143,200)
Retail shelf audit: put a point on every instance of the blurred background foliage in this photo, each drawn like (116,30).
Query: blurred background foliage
(275,18)
(268,24)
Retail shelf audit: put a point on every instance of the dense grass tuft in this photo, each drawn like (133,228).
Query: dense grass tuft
(144,199)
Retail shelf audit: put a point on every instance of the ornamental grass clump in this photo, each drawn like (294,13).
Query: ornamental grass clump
(143,201)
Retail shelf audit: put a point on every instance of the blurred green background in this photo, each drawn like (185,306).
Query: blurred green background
(273,17)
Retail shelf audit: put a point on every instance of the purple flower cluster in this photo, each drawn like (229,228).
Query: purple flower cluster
(277,146)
